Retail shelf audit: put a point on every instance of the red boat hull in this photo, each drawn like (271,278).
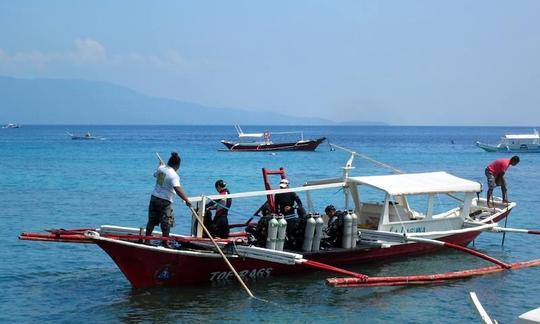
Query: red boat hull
(309,145)
(148,267)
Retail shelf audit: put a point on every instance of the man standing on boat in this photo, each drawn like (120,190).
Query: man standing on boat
(167,184)
(495,176)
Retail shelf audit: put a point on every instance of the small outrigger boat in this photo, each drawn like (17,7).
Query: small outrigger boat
(371,230)
(86,136)
(520,143)
(10,125)
(266,143)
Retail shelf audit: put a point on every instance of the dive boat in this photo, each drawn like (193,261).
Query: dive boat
(384,227)
(87,136)
(519,143)
(266,144)
(10,125)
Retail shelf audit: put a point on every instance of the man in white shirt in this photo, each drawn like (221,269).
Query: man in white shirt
(167,185)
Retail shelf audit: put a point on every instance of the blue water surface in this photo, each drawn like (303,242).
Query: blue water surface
(48,180)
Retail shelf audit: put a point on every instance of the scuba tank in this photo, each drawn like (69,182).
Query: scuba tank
(354,229)
(308,234)
(347,231)
(272,233)
(319,223)
(281,232)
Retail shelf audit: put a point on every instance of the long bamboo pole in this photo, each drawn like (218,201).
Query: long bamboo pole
(242,283)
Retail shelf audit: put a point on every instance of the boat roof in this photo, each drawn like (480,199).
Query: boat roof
(534,135)
(523,136)
(418,183)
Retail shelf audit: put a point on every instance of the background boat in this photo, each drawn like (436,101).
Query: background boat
(11,126)
(86,136)
(520,143)
(266,143)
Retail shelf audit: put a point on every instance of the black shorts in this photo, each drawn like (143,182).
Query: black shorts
(160,212)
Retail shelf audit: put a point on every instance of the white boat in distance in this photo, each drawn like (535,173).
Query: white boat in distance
(10,125)
(515,143)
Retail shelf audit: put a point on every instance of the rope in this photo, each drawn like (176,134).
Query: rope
(384,165)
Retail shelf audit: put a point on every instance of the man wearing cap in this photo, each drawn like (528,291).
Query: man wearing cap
(219,226)
(285,201)
(495,176)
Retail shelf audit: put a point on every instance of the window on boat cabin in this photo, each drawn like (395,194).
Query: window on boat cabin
(434,204)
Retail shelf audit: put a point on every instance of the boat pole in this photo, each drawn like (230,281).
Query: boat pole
(504,233)
(221,252)
(242,283)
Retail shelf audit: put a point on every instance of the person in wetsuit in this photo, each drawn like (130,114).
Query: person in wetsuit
(219,226)
(285,202)
(334,230)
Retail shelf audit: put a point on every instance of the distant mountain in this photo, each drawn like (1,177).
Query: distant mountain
(57,101)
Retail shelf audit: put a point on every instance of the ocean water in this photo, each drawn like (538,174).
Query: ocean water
(48,180)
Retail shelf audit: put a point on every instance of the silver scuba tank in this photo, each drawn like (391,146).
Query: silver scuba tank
(272,233)
(347,231)
(319,223)
(354,229)
(308,234)
(281,233)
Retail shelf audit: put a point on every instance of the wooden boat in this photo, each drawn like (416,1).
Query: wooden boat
(520,143)
(382,230)
(86,136)
(266,143)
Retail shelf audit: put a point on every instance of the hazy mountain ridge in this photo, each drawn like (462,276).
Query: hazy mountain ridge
(59,101)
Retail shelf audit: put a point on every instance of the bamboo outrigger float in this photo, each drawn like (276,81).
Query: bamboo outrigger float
(381,231)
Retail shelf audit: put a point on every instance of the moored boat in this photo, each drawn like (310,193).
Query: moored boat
(87,136)
(10,125)
(519,143)
(266,144)
(371,230)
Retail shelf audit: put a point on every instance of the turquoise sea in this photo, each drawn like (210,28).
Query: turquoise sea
(48,181)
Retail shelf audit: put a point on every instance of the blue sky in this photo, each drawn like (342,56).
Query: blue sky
(402,62)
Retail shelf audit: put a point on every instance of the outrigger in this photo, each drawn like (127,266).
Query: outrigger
(372,230)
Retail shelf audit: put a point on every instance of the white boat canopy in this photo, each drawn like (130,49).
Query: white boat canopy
(534,135)
(418,183)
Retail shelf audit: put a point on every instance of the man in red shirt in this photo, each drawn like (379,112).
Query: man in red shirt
(495,176)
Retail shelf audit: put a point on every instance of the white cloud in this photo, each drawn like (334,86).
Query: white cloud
(90,50)
(87,51)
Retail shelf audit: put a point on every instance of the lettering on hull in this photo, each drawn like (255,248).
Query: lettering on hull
(244,274)
(409,230)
